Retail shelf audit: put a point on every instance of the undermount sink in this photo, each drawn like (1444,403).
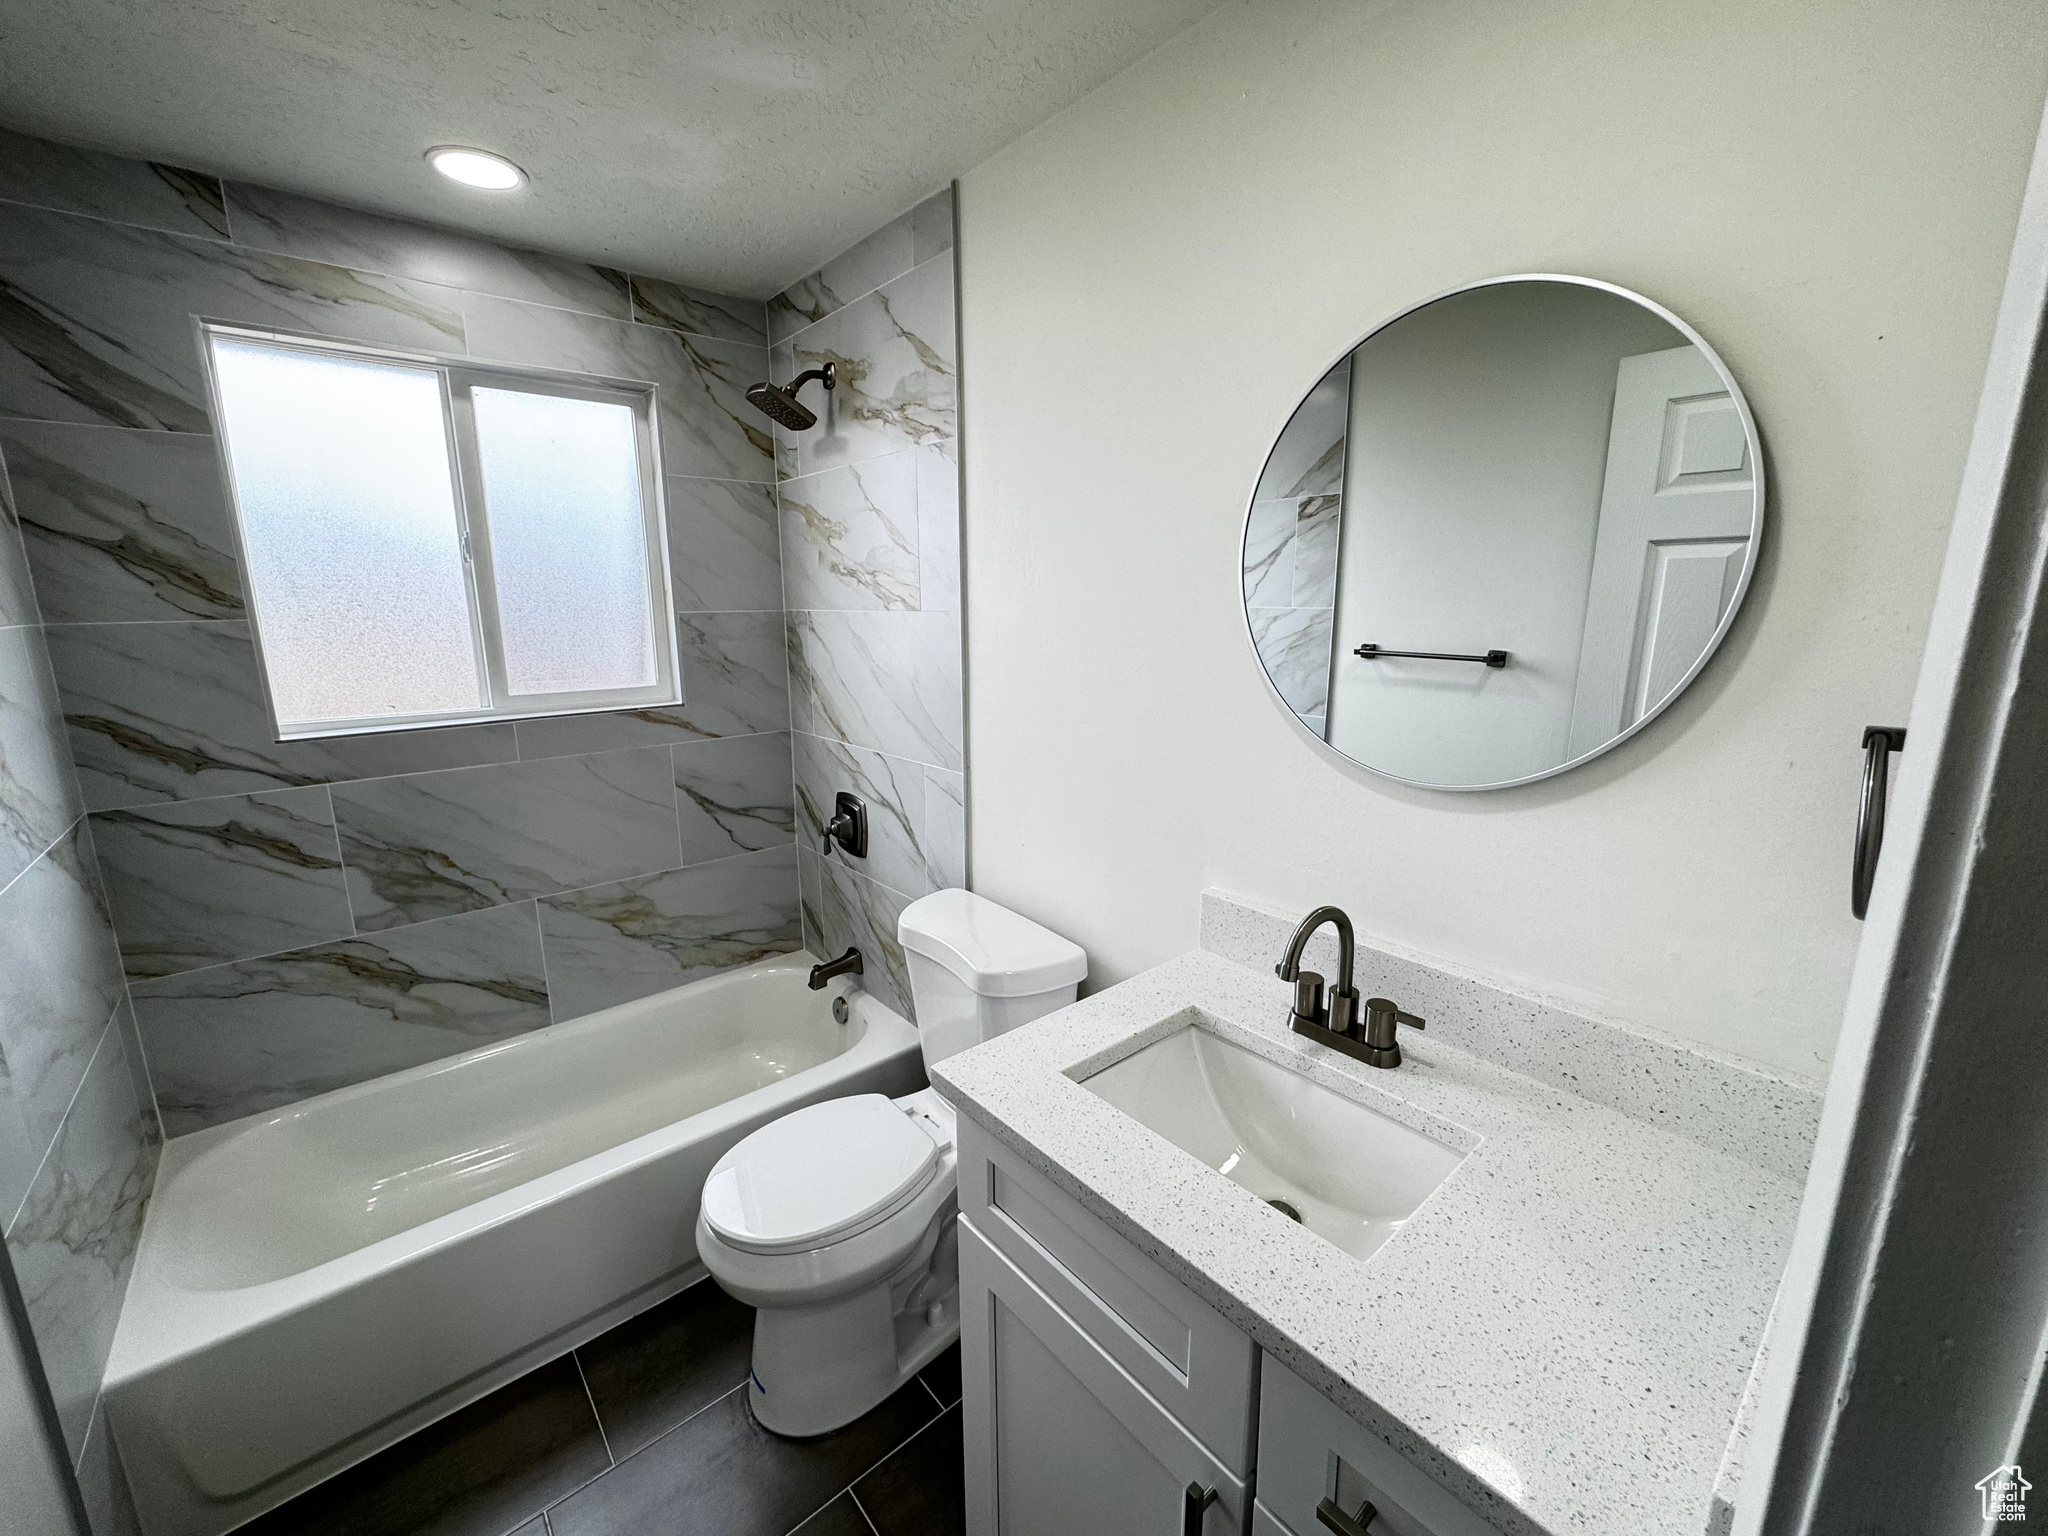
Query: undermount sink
(1347,1173)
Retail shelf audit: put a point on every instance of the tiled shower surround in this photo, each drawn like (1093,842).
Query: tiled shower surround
(198,922)
(870,508)
(295,917)
(78,1134)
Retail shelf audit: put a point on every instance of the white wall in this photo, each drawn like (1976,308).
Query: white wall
(1472,475)
(1151,280)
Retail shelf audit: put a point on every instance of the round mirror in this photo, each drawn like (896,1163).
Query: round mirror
(1503,533)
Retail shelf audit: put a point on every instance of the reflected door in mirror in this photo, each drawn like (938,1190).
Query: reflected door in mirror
(1675,521)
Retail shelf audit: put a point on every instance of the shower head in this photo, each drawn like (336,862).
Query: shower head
(781,406)
(779,403)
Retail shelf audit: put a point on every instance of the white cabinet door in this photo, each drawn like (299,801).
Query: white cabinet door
(1060,1441)
(1201,1369)
(1310,1450)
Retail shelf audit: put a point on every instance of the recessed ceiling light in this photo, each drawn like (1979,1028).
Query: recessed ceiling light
(476,168)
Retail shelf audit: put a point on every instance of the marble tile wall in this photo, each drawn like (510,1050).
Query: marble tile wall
(79,1134)
(869,507)
(198,922)
(1290,548)
(289,918)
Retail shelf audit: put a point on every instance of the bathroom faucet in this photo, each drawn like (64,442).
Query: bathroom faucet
(1341,1015)
(1336,1024)
(847,964)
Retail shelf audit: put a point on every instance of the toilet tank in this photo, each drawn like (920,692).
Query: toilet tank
(977,969)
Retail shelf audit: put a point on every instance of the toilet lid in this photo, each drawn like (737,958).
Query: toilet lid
(822,1173)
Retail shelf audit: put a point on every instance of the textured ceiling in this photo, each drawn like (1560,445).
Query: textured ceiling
(736,145)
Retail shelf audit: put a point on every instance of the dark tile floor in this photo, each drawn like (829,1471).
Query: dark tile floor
(645,1432)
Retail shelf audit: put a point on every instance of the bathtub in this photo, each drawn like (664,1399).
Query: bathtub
(315,1283)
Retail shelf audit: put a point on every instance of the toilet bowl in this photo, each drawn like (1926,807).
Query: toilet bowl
(836,1223)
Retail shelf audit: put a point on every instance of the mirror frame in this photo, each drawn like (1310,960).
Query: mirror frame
(1714,642)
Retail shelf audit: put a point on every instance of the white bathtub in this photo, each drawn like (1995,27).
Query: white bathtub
(315,1283)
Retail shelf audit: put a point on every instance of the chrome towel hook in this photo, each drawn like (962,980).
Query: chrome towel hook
(1879,743)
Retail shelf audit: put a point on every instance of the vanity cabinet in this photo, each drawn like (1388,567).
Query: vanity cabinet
(1098,1388)
(1200,1368)
(1311,1450)
(1061,1441)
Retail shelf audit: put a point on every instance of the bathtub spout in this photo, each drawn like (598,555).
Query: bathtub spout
(847,964)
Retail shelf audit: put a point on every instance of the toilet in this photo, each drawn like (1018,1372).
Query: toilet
(835,1222)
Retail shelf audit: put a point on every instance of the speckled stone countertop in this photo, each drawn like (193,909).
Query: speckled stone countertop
(1560,1335)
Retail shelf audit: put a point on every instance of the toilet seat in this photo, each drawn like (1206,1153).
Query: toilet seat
(819,1175)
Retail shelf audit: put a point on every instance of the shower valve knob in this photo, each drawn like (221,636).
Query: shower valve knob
(848,826)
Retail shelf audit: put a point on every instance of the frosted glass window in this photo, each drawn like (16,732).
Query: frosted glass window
(568,541)
(431,541)
(342,472)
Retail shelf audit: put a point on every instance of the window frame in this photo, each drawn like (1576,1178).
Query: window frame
(458,376)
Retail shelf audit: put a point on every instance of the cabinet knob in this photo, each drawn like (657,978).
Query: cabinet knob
(1334,1518)
(1193,1502)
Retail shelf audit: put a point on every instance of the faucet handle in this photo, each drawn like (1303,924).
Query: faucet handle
(1308,998)
(1382,1018)
(848,826)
